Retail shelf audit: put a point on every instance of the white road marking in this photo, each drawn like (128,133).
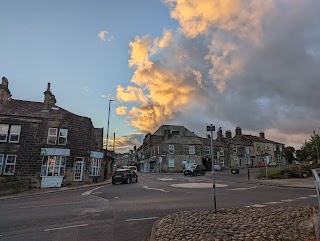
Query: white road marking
(258,205)
(74,226)
(166,179)
(140,219)
(93,193)
(197,185)
(151,188)
(272,203)
(302,197)
(116,197)
(90,191)
(312,195)
(287,200)
(242,188)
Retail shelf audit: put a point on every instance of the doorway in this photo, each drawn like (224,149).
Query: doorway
(78,169)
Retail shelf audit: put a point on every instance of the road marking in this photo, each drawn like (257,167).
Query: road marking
(150,188)
(74,226)
(140,219)
(242,188)
(166,179)
(272,203)
(94,193)
(312,195)
(198,185)
(258,205)
(90,191)
(287,200)
(302,197)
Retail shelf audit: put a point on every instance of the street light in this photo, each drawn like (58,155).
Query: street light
(108,123)
(211,128)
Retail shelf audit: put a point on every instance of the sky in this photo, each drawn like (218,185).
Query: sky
(248,63)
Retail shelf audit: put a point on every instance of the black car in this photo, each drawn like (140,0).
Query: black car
(124,176)
(195,170)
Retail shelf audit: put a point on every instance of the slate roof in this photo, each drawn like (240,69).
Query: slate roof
(259,139)
(33,109)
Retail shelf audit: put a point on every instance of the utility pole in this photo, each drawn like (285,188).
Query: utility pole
(108,123)
(211,128)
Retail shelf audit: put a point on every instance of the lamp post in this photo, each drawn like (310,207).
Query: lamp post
(211,128)
(108,123)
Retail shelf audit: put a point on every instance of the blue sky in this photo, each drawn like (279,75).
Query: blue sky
(183,62)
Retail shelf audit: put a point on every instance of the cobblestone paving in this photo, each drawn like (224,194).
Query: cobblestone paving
(247,224)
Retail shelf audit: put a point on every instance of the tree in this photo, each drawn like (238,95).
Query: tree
(310,150)
(289,150)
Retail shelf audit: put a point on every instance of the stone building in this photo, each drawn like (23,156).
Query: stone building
(47,145)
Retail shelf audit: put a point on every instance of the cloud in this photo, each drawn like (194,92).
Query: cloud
(121,110)
(105,36)
(125,143)
(231,63)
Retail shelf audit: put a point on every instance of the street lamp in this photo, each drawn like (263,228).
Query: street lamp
(211,128)
(108,123)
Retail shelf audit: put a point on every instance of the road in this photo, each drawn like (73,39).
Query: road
(126,212)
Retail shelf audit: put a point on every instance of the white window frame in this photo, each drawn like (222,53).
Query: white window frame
(53,166)
(208,150)
(278,158)
(14,133)
(171,149)
(95,167)
(235,149)
(171,162)
(192,150)
(64,137)
(274,147)
(10,164)
(4,132)
(222,152)
(235,160)
(51,135)
(1,162)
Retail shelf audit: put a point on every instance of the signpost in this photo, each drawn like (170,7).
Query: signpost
(248,160)
(211,128)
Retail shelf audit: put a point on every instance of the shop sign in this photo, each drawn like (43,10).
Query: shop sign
(96,154)
(55,152)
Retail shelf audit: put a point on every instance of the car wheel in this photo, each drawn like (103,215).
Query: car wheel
(113,183)
(136,179)
(203,173)
(185,174)
(128,180)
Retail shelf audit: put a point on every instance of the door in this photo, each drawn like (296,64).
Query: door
(78,169)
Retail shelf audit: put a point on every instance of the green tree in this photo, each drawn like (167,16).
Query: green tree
(289,151)
(310,150)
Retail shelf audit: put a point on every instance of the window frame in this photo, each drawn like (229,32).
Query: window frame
(14,133)
(95,167)
(235,160)
(170,162)
(192,150)
(208,150)
(4,132)
(171,149)
(62,136)
(49,166)
(10,164)
(221,152)
(235,149)
(50,135)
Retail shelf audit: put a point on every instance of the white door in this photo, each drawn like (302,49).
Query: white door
(78,170)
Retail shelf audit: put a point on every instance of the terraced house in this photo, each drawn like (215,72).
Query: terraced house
(47,145)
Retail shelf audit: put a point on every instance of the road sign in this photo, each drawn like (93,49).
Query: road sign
(211,128)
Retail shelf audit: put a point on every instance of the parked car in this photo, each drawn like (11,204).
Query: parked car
(272,164)
(124,176)
(235,170)
(217,168)
(195,170)
(262,164)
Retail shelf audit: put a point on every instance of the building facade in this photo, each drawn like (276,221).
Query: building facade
(47,145)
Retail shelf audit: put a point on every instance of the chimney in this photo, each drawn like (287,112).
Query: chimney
(238,131)
(219,134)
(228,134)
(5,93)
(48,98)
(262,134)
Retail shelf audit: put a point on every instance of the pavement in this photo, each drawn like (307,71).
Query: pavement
(247,224)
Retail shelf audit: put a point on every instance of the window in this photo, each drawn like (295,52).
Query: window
(3,132)
(208,150)
(278,158)
(235,149)
(267,147)
(235,160)
(10,165)
(258,147)
(63,133)
(53,166)
(192,150)
(171,163)
(171,149)
(274,148)
(53,136)
(280,148)
(1,162)
(14,133)
(222,152)
(95,167)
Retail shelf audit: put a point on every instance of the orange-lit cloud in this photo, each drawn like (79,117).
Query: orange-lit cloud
(131,94)
(121,110)
(105,36)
